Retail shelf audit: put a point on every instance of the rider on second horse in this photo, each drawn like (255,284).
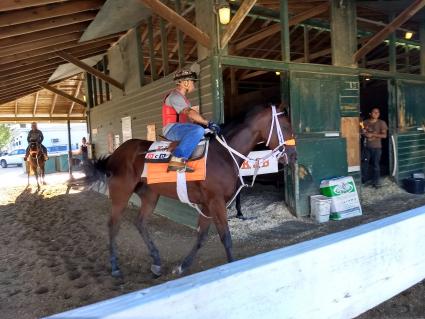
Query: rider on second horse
(176,117)
(35,136)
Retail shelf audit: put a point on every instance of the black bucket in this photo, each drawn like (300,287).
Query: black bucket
(414,185)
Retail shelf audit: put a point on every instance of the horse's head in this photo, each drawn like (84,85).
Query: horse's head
(276,131)
(34,149)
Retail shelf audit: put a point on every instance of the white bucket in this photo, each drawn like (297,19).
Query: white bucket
(320,208)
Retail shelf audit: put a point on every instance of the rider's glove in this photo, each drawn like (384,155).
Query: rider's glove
(214,127)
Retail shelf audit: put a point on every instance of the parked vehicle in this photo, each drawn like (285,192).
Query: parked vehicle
(15,157)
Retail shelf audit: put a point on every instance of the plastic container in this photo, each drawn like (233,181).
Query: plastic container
(320,208)
(414,185)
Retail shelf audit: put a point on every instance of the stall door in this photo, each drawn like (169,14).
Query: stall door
(318,104)
(409,139)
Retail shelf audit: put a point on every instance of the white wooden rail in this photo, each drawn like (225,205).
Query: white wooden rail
(337,276)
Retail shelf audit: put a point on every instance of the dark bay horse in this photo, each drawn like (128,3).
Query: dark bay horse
(124,169)
(36,162)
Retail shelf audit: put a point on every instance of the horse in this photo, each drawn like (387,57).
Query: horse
(124,167)
(36,162)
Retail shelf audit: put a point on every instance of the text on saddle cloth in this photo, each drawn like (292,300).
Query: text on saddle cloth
(160,151)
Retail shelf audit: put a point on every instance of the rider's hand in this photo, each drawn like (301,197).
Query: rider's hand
(214,127)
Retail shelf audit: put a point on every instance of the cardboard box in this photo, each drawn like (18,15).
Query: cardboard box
(345,201)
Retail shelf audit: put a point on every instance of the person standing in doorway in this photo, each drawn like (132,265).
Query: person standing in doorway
(374,131)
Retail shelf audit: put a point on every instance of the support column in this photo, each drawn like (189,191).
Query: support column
(422,53)
(343,32)
(206,20)
(69,151)
(392,49)
(284,31)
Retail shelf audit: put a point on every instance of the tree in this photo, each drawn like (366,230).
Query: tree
(5,135)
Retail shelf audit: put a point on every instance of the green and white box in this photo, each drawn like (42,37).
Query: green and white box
(344,199)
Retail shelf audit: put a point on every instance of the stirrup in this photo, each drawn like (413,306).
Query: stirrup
(178,164)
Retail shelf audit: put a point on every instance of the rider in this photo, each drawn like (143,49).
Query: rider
(35,135)
(176,114)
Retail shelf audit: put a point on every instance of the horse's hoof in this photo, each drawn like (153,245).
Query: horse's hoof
(156,270)
(241,217)
(116,273)
(178,270)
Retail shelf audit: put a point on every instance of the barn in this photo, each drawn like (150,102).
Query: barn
(110,63)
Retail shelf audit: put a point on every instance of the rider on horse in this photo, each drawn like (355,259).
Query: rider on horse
(35,136)
(181,122)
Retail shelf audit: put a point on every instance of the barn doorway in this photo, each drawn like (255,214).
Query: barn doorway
(244,89)
(374,93)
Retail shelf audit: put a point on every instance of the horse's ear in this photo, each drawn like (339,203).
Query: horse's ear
(284,108)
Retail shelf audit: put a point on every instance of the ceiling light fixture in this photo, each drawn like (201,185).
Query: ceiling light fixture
(224,12)
(408,35)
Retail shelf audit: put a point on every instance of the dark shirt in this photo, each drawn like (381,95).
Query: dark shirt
(35,136)
(378,127)
(84,152)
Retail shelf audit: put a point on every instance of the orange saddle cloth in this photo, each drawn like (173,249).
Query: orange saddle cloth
(157,172)
(158,156)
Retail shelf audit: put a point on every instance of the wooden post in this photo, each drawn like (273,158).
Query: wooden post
(422,52)
(306,45)
(69,151)
(106,71)
(343,32)
(392,49)
(284,31)
(151,50)
(180,47)
(206,20)
(141,60)
(164,47)
(89,91)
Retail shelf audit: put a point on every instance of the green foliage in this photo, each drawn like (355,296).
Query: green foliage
(5,135)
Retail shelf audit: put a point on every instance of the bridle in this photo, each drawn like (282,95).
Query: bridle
(278,152)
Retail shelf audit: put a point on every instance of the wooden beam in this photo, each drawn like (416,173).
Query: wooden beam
(15,85)
(45,24)
(41,35)
(236,21)
(68,57)
(26,119)
(385,32)
(52,107)
(45,12)
(7,5)
(16,107)
(25,47)
(181,23)
(49,51)
(13,82)
(34,109)
(275,28)
(51,58)
(77,92)
(62,93)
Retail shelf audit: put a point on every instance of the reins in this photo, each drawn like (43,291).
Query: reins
(276,152)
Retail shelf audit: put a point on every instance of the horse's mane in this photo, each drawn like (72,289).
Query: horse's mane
(234,125)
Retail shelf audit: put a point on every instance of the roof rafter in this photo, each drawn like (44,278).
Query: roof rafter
(62,93)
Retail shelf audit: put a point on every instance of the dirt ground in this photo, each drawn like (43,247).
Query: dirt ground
(54,256)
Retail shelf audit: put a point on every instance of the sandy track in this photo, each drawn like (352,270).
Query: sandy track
(54,254)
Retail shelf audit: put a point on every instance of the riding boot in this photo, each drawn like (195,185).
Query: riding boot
(178,164)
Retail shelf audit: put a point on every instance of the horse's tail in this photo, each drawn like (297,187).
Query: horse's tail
(95,171)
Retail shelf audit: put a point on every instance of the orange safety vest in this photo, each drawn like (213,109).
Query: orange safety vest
(169,114)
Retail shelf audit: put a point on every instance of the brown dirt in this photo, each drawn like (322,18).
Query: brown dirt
(54,256)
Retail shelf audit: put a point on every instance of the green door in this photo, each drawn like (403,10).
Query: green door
(409,139)
(317,104)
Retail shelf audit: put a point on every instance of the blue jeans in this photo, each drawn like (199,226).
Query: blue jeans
(372,158)
(189,136)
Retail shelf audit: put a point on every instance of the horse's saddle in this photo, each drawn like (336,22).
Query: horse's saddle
(160,151)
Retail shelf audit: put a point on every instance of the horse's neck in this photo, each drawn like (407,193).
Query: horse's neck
(243,141)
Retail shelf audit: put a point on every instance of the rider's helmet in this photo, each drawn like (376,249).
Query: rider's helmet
(185,74)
